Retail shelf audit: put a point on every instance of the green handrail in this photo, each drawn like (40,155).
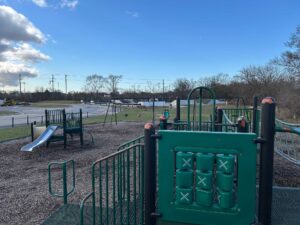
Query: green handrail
(91,194)
(108,171)
(65,193)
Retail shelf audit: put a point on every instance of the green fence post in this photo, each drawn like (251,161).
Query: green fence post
(65,188)
(219,119)
(65,128)
(81,127)
(178,109)
(254,116)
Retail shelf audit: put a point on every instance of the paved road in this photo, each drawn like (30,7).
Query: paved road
(38,114)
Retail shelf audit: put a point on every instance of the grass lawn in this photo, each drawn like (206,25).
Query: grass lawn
(7,113)
(54,104)
(128,114)
(13,133)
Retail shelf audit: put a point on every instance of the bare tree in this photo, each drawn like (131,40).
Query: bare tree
(94,83)
(153,87)
(183,86)
(264,80)
(112,82)
(290,59)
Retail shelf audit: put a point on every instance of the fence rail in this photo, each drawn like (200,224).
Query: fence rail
(117,193)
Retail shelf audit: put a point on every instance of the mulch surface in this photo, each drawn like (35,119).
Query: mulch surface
(24,197)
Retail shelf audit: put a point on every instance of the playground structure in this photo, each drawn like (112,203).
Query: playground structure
(202,172)
(69,123)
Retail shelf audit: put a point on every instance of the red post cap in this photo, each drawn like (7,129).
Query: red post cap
(162,117)
(148,126)
(268,100)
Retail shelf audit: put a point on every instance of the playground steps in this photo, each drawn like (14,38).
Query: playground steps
(286,208)
(66,215)
(70,215)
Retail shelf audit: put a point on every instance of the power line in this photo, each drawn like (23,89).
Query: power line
(52,82)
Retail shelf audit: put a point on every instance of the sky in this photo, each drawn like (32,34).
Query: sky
(144,41)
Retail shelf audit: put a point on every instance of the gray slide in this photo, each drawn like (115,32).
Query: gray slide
(40,140)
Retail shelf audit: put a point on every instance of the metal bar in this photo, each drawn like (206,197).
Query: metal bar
(153,111)
(128,187)
(134,185)
(200,109)
(219,119)
(114,191)
(149,174)
(100,193)
(82,207)
(65,188)
(142,196)
(31,129)
(254,117)
(81,128)
(178,109)
(106,191)
(266,161)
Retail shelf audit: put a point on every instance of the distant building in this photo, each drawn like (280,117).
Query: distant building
(156,104)
(185,102)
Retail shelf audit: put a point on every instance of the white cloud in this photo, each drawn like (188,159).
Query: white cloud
(71,4)
(24,52)
(16,27)
(40,3)
(10,73)
(17,56)
(133,14)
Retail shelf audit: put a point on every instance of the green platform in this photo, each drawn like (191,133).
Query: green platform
(286,211)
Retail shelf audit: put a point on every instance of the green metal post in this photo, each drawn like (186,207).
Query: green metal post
(46,118)
(254,116)
(178,109)
(200,110)
(32,134)
(65,187)
(81,127)
(64,128)
(219,119)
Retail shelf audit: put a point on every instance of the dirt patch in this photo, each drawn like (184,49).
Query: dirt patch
(24,197)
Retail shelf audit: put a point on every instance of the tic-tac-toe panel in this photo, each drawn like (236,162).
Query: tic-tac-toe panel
(206,178)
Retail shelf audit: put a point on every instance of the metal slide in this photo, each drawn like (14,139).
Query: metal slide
(41,139)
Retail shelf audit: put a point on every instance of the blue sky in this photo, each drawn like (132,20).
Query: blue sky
(154,40)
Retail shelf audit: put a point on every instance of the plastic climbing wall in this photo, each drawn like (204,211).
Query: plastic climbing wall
(206,178)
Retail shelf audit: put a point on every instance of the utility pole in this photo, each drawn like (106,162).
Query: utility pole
(20,82)
(163,87)
(66,84)
(52,82)
(24,86)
